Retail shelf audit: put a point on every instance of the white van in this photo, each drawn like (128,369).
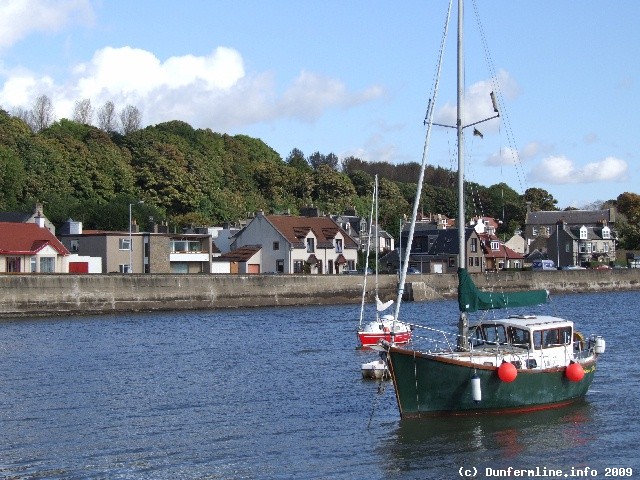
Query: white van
(543,265)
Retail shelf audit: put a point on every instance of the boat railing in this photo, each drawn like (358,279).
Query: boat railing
(438,338)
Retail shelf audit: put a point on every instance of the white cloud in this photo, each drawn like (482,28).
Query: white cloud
(211,90)
(560,170)
(507,156)
(477,102)
(19,18)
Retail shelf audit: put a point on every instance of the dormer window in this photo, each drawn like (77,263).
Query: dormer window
(495,245)
(583,233)
(606,233)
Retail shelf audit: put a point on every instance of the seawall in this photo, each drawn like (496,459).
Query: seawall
(45,295)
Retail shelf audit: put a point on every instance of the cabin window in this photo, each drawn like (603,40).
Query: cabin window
(494,334)
(519,337)
(554,337)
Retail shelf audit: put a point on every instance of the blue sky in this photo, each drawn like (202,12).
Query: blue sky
(354,78)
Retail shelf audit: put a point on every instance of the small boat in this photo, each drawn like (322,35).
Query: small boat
(375,370)
(385,327)
(512,364)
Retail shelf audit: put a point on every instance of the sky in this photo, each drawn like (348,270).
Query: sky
(355,78)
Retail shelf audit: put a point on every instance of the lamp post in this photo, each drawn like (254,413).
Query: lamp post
(130,269)
(130,238)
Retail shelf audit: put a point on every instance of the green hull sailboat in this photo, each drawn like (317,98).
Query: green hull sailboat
(518,363)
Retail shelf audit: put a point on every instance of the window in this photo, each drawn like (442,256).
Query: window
(34,264)
(495,245)
(47,265)
(125,244)
(583,233)
(534,231)
(477,261)
(183,245)
(276,245)
(311,245)
(73,245)
(474,245)
(123,268)
(518,337)
(13,264)
(298,266)
(452,262)
(338,245)
(552,338)
(494,334)
(471,261)
(280,266)
(567,247)
(605,247)
(606,233)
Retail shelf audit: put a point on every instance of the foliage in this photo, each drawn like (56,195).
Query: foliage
(196,177)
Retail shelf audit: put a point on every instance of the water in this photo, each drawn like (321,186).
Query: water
(277,394)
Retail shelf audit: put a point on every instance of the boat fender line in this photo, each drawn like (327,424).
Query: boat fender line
(476,390)
(574,372)
(507,372)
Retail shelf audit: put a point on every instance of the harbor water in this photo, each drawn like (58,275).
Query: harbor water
(277,393)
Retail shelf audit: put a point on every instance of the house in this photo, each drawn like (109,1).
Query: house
(541,225)
(435,250)
(358,229)
(37,217)
(30,248)
(581,245)
(497,256)
(298,244)
(141,252)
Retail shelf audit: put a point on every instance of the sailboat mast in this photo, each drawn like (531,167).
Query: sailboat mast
(463,323)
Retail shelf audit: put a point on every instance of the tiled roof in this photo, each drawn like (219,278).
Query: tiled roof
(27,239)
(295,229)
(241,254)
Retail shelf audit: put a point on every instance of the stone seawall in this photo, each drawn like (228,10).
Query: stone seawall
(44,295)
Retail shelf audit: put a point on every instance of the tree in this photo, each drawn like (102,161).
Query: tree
(107,117)
(41,115)
(83,112)
(540,200)
(628,224)
(296,159)
(130,119)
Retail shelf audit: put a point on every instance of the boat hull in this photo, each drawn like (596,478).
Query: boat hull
(369,339)
(427,384)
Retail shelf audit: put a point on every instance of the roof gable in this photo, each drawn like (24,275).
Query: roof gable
(27,239)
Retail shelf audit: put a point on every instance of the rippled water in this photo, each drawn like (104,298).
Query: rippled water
(277,393)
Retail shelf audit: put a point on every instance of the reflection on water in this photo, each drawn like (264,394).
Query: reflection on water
(438,444)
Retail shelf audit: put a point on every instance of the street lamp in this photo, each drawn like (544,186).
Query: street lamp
(130,269)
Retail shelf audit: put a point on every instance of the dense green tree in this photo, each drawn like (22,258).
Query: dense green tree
(540,199)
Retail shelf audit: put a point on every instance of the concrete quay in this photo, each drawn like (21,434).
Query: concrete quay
(68,294)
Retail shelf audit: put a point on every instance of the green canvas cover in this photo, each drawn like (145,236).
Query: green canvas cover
(470,299)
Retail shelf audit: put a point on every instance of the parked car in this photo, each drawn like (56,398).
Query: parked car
(603,267)
(413,271)
(573,267)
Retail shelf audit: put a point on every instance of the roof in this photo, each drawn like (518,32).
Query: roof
(502,252)
(571,217)
(533,321)
(295,229)
(447,241)
(27,239)
(241,254)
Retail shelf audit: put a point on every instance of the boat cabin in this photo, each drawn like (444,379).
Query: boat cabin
(537,341)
